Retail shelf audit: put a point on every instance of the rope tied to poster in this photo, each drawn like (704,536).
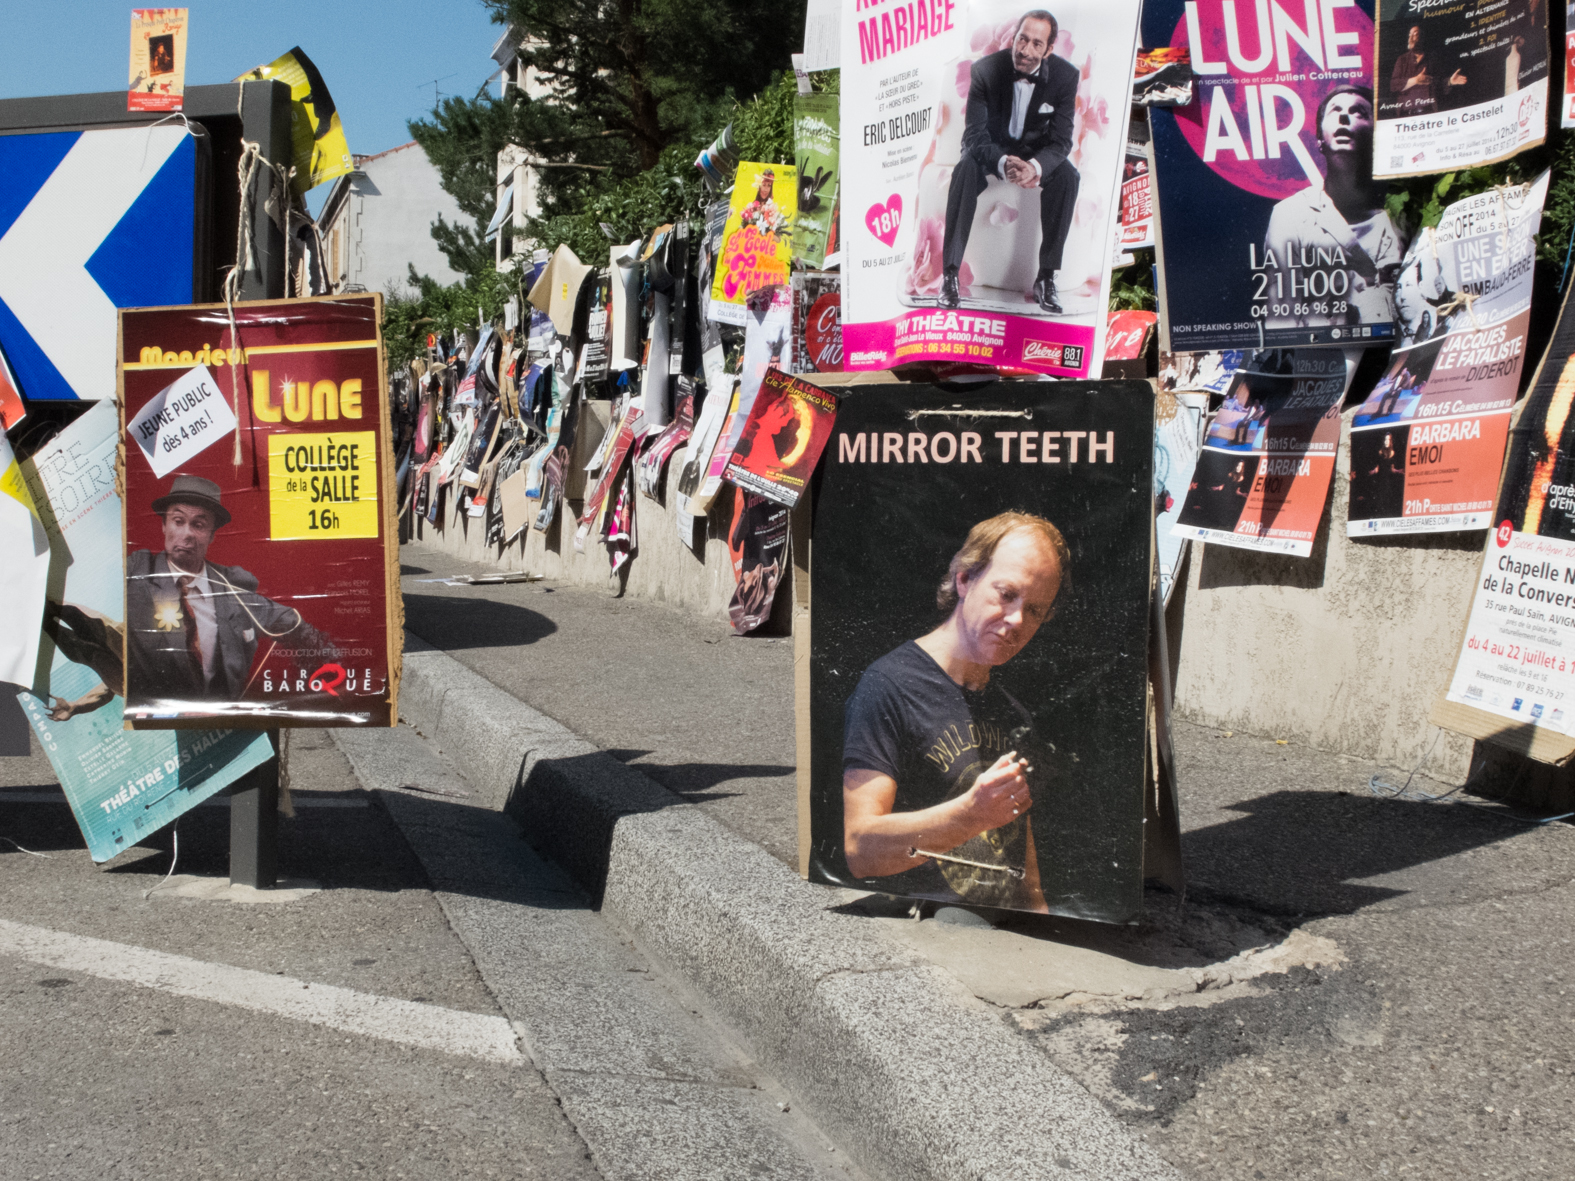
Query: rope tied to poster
(1463,299)
(29,852)
(251,158)
(174,857)
(961,412)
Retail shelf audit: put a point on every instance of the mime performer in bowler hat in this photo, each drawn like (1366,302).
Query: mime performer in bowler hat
(1018,127)
(193,626)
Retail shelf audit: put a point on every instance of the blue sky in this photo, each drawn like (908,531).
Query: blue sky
(375,58)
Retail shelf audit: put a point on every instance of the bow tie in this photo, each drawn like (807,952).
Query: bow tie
(1019,76)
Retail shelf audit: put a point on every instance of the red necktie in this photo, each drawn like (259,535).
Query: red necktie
(189,619)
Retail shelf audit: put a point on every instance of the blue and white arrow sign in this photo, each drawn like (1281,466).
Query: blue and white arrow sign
(90,221)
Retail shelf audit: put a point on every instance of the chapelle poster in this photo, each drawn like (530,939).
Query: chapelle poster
(1271,229)
(1517,661)
(979,216)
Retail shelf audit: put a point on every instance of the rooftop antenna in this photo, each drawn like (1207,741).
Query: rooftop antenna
(433,82)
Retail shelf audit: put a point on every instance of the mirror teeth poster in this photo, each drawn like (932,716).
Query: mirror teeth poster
(982,149)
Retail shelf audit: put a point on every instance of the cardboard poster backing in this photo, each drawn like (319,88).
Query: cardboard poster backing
(294,351)
(1099,805)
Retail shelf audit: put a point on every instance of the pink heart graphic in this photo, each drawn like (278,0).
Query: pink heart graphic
(884,220)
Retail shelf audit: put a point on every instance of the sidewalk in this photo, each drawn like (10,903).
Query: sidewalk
(1353,986)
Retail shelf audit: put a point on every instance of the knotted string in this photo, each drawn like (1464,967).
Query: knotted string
(251,158)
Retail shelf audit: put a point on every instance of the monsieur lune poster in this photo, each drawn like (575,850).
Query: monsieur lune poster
(977,711)
(982,148)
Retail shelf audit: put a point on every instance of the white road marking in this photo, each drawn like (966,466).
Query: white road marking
(410,1023)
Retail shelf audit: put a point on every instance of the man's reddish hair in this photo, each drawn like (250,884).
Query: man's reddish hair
(979,548)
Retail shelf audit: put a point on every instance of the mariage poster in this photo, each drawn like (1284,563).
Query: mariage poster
(982,151)
(1271,229)
(1427,444)
(1459,84)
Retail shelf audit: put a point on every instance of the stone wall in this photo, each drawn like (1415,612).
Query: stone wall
(1343,651)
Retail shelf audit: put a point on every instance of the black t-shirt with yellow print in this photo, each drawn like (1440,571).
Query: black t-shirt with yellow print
(908,720)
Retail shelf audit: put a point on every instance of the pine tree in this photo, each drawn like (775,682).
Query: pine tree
(626,79)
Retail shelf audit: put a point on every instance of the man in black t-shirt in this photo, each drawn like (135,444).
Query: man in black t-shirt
(935,757)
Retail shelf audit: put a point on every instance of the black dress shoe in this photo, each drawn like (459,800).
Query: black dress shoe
(950,296)
(1045,296)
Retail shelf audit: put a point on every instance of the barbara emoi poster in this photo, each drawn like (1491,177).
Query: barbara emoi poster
(1427,444)
(260,575)
(983,145)
(977,710)
(1517,662)
(1262,476)
(1271,231)
(1460,84)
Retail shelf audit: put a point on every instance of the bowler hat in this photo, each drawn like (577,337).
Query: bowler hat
(194,490)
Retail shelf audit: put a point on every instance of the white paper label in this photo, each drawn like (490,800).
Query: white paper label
(182,421)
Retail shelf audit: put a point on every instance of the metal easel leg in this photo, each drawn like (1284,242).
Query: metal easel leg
(254,825)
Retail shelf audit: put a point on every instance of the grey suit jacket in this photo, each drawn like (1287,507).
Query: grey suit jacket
(158,665)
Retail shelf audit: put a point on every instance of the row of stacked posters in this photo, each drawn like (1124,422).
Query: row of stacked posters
(982,158)
(1427,444)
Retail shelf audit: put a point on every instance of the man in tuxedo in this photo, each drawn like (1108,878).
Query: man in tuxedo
(1019,128)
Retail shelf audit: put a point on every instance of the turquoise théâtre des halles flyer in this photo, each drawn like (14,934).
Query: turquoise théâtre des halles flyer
(122,785)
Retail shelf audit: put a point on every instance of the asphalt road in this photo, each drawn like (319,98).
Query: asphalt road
(424,999)
(1440,1046)
(705,713)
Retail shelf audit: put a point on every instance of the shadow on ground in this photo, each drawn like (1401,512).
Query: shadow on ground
(465,622)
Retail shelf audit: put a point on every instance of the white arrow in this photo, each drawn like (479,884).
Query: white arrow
(43,257)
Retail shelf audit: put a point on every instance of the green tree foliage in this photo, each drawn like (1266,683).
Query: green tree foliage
(625,81)
(446,311)
(763,127)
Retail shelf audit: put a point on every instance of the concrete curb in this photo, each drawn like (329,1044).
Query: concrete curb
(912,1076)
